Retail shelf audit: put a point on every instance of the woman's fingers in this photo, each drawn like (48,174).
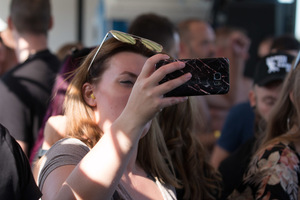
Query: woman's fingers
(172,84)
(154,76)
(149,66)
(150,76)
(160,73)
(170,101)
(147,94)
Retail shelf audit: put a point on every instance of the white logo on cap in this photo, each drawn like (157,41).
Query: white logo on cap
(274,63)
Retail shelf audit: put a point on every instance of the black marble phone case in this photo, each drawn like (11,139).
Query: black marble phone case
(209,76)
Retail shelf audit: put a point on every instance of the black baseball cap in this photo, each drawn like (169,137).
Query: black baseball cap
(272,67)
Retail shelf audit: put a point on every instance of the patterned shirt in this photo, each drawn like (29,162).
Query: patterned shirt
(273,174)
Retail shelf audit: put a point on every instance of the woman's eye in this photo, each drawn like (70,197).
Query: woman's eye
(127,82)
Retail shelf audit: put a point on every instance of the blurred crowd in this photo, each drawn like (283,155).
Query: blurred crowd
(93,122)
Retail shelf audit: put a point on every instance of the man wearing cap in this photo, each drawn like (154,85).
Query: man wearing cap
(246,122)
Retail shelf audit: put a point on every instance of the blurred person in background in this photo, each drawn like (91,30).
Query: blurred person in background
(67,49)
(232,43)
(286,43)
(159,29)
(16,177)
(53,129)
(200,40)
(235,134)
(197,40)
(274,170)
(264,47)
(268,80)
(8,57)
(26,89)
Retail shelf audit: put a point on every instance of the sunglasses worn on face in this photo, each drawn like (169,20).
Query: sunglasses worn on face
(130,39)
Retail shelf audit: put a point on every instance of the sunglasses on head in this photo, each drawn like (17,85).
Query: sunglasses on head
(130,39)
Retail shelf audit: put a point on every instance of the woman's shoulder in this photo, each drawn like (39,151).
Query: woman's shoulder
(67,146)
(276,155)
(278,152)
(276,166)
(67,151)
(68,141)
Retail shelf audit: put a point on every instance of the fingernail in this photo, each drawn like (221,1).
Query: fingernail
(182,64)
(184,99)
(166,56)
(188,76)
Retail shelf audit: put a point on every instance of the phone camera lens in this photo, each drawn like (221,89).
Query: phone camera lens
(217,76)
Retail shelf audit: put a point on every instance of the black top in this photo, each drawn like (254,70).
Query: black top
(25,92)
(16,179)
(233,168)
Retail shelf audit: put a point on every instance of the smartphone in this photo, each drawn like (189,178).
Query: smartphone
(209,76)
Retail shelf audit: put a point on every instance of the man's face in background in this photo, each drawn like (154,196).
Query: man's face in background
(263,98)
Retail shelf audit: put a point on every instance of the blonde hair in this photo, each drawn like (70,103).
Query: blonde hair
(198,178)
(152,152)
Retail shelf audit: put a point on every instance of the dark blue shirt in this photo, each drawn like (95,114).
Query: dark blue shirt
(238,127)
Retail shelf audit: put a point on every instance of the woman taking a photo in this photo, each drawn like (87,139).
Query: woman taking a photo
(111,152)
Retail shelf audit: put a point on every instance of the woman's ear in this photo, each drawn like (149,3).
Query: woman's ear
(88,94)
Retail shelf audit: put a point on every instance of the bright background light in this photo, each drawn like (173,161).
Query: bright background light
(285,1)
(297,20)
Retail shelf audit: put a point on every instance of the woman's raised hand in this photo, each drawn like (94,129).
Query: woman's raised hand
(147,96)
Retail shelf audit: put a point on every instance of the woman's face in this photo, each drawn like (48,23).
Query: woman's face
(113,90)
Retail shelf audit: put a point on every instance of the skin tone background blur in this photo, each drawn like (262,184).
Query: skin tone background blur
(92,29)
